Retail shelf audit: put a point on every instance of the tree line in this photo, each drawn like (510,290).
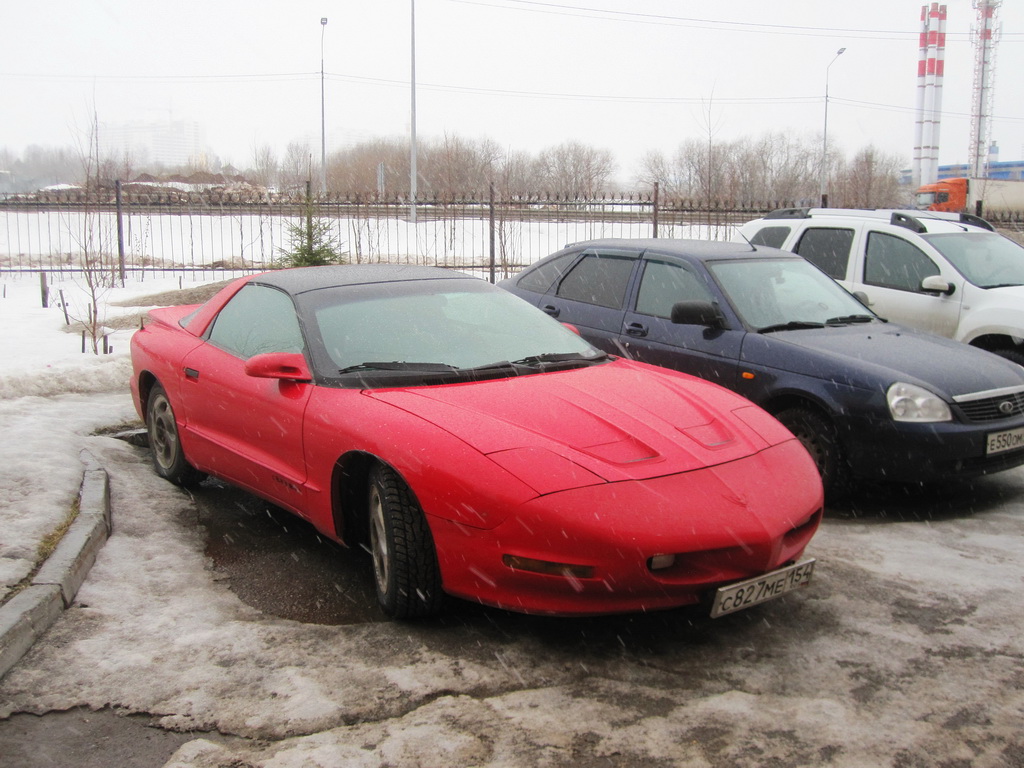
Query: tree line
(772,167)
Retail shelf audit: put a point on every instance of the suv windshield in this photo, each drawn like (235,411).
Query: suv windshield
(786,293)
(984,258)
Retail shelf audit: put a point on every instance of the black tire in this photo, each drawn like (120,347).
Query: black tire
(405,565)
(818,436)
(164,444)
(1013,355)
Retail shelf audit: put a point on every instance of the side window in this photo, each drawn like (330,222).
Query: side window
(663,284)
(599,279)
(773,237)
(257,319)
(540,279)
(892,262)
(826,248)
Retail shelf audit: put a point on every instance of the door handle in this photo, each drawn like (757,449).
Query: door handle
(636,329)
(552,310)
(192,373)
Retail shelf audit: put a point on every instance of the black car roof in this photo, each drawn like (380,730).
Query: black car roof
(699,249)
(303,279)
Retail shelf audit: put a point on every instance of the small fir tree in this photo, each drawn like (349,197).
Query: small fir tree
(313,242)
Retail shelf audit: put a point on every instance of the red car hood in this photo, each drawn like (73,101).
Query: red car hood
(606,423)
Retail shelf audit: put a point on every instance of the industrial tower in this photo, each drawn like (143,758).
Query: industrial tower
(930,71)
(984,36)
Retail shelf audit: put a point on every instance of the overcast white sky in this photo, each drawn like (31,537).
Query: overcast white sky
(529,74)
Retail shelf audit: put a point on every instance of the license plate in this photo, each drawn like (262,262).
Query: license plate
(744,594)
(1010,440)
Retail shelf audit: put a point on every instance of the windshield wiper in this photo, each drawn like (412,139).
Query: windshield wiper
(400,366)
(792,325)
(847,319)
(559,357)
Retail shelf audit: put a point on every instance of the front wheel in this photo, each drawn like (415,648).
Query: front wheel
(164,444)
(405,565)
(818,435)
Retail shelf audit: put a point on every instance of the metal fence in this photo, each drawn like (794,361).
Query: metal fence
(177,232)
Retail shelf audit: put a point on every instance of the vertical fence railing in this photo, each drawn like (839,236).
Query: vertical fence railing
(170,232)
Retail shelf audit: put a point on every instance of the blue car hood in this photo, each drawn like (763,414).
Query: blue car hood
(876,355)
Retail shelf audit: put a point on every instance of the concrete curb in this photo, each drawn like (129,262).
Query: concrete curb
(27,615)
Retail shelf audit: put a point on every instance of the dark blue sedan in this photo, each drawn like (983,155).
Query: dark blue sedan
(867,398)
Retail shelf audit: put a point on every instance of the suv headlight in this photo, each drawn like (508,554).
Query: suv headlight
(908,402)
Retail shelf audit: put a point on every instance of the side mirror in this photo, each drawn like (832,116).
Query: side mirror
(286,366)
(697,313)
(862,298)
(573,328)
(935,284)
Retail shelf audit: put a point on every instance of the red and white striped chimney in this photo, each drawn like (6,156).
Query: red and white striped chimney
(930,73)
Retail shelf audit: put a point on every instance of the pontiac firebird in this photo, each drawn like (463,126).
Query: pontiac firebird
(475,446)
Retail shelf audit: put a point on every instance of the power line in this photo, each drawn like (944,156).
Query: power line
(475,91)
(534,6)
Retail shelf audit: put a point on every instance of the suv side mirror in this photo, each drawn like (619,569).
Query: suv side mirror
(697,313)
(935,284)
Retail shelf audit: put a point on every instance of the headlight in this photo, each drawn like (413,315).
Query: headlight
(911,403)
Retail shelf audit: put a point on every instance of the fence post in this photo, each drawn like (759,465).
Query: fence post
(43,290)
(120,232)
(656,190)
(309,215)
(490,209)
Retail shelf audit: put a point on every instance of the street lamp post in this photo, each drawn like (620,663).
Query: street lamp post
(412,117)
(323,113)
(824,137)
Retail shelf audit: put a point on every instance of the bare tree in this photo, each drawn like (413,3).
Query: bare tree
(456,166)
(573,169)
(870,180)
(264,166)
(92,232)
(516,174)
(296,166)
(773,167)
(370,168)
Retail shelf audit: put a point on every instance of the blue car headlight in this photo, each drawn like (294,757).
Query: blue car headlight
(908,402)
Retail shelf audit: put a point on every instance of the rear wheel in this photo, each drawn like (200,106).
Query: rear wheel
(405,565)
(164,445)
(818,435)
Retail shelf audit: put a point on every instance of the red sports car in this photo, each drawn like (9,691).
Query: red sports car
(475,446)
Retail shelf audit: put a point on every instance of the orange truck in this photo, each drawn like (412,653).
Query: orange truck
(978,196)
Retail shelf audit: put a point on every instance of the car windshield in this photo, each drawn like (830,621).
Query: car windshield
(778,294)
(984,258)
(423,329)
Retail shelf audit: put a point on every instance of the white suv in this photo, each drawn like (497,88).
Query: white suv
(946,273)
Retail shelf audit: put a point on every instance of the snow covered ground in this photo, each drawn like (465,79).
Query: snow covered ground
(52,397)
(906,651)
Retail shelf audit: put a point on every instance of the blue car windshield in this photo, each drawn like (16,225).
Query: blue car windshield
(984,258)
(767,293)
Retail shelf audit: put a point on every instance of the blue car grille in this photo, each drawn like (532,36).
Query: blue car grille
(1002,406)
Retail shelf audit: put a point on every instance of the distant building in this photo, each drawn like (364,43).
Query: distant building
(1005,170)
(1013,170)
(164,143)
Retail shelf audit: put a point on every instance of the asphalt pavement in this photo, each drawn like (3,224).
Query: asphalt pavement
(213,631)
